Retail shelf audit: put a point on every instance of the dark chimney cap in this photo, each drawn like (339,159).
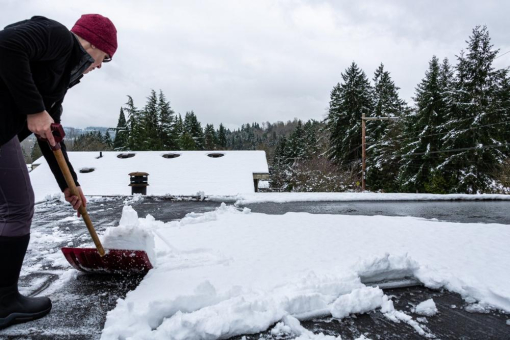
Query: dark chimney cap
(138,174)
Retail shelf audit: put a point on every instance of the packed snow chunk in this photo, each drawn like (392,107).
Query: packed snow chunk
(387,267)
(359,300)
(295,327)
(129,217)
(130,235)
(508,322)
(426,308)
(281,330)
(477,308)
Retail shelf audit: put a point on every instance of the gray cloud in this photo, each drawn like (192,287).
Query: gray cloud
(253,61)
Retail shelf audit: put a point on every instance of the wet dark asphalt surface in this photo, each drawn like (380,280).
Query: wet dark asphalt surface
(81,303)
(451,211)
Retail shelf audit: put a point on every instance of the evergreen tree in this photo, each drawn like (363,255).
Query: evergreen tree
(296,146)
(194,129)
(187,142)
(473,122)
(420,130)
(387,104)
(107,140)
(152,134)
(210,137)
(312,148)
(279,166)
(168,135)
(382,135)
(349,101)
(222,137)
(122,133)
(503,100)
(135,127)
(178,127)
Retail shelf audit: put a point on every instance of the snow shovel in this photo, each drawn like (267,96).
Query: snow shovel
(96,260)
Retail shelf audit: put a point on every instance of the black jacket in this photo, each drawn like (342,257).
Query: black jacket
(40,59)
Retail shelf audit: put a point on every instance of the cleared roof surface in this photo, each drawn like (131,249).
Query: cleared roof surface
(188,174)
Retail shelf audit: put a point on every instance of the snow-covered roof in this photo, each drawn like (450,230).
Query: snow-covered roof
(187,174)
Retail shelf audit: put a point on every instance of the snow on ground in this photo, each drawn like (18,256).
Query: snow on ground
(185,175)
(252,198)
(231,272)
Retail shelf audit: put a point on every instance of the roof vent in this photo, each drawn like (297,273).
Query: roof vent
(125,155)
(86,170)
(171,155)
(216,155)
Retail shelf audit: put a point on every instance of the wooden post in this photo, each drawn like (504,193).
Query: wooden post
(363,152)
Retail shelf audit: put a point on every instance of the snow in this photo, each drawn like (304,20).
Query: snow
(230,272)
(360,300)
(186,175)
(130,234)
(426,308)
(477,308)
(287,197)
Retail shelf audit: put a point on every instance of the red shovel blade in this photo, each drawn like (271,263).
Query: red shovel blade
(115,261)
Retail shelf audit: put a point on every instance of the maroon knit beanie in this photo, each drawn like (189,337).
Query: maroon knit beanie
(97,30)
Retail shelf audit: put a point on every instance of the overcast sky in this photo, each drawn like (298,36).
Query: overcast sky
(240,61)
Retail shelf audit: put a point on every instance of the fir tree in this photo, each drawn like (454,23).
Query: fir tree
(312,140)
(187,142)
(382,135)
(472,122)
(194,129)
(349,101)
(168,135)
(152,134)
(222,137)
(122,134)
(296,146)
(179,126)
(279,166)
(421,129)
(135,127)
(107,140)
(210,137)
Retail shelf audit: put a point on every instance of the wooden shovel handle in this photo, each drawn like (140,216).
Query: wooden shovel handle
(74,191)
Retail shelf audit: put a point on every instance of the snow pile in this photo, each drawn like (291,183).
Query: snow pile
(229,272)
(130,234)
(360,300)
(426,308)
(387,267)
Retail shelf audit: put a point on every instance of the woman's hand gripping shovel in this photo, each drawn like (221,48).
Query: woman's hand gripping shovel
(96,260)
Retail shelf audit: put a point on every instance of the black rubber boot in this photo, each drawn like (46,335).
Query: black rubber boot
(14,307)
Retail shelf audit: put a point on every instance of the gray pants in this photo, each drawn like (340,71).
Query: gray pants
(16,193)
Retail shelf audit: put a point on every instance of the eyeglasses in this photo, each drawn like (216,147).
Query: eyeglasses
(107,59)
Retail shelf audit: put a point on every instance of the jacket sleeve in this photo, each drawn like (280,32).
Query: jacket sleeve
(21,44)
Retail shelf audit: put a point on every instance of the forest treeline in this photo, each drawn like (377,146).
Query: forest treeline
(454,138)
